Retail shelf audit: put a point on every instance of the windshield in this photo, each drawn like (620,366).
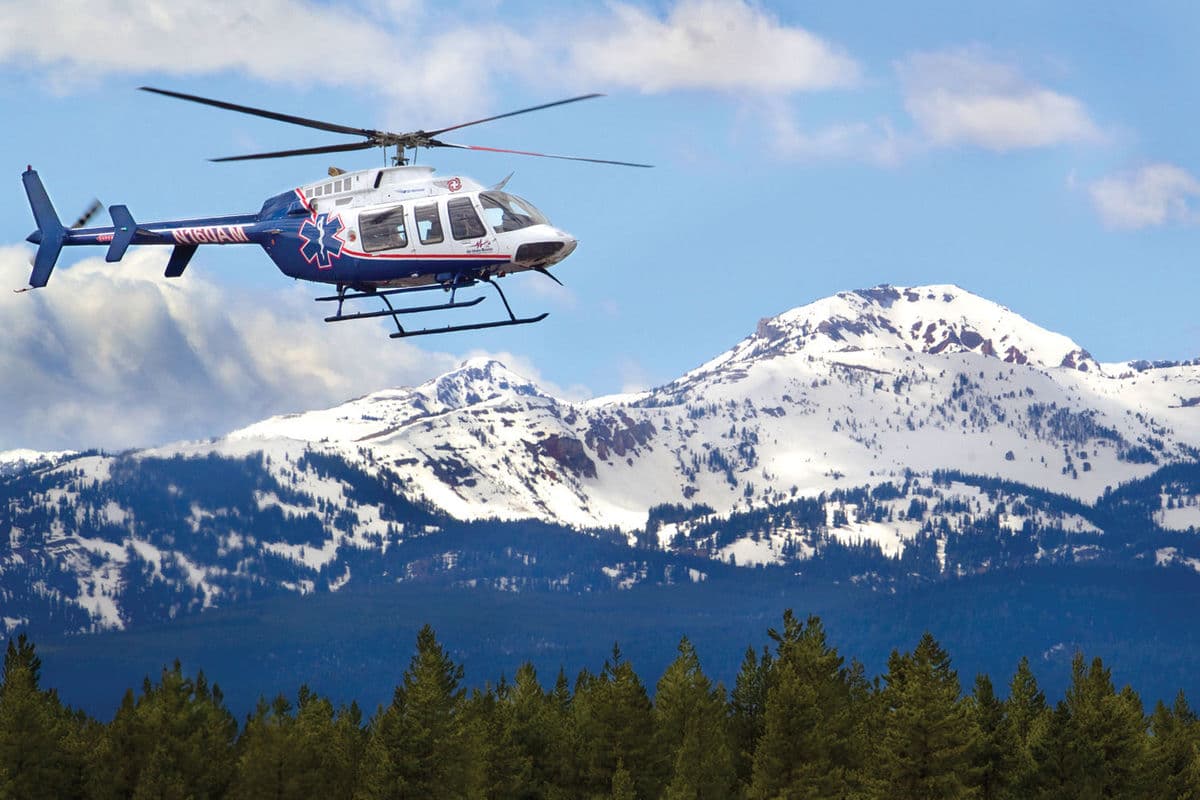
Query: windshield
(507,212)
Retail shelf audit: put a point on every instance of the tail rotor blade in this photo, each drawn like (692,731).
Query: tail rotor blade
(88,214)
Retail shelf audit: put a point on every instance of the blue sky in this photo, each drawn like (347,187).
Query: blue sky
(1042,155)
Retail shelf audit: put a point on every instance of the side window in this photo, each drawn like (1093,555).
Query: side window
(383,230)
(464,222)
(429,224)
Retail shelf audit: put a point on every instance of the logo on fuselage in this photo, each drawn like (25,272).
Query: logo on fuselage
(322,236)
(211,234)
(481,246)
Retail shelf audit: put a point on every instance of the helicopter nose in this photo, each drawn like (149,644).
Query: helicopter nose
(546,252)
(569,245)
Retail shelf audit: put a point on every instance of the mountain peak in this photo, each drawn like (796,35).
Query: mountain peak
(931,319)
(477,380)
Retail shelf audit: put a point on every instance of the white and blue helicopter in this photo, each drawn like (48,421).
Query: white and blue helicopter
(371,233)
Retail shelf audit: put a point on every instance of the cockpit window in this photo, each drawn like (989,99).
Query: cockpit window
(464,222)
(383,230)
(507,212)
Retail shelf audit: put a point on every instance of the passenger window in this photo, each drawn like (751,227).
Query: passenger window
(383,230)
(429,224)
(464,222)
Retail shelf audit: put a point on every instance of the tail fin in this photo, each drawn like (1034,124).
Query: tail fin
(50,234)
(123,230)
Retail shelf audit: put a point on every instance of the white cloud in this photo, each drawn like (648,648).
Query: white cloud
(708,44)
(447,59)
(268,39)
(118,356)
(1151,196)
(963,97)
(282,41)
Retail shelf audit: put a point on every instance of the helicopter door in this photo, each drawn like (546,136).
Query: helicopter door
(466,228)
(383,230)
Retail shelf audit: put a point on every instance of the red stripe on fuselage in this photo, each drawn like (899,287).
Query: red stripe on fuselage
(428,256)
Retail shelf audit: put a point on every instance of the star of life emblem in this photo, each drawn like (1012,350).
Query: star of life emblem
(322,237)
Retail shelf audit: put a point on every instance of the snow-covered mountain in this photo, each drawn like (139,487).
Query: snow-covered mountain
(853,402)
(855,389)
(15,461)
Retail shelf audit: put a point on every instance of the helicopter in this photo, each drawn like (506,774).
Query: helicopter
(371,234)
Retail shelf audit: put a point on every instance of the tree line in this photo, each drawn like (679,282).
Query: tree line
(799,722)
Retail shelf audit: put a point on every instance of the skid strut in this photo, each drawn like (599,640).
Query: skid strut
(346,292)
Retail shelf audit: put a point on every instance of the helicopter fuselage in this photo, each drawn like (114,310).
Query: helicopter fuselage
(387,227)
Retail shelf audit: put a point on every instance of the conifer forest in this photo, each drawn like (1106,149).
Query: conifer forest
(800,721)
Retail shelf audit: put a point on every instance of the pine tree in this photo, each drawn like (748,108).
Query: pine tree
(615,725)
(495,766)
(927,741)
(266,762)
(176,740)
(1027,719)
(747,703)
(1107,734)
(40,741)
(330,744)
(417,745)
(690,730)
(541,734)
(994,755)
(1054,753)
(1173,751)
(809,746)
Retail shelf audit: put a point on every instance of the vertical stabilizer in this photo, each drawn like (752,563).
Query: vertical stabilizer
(50,234)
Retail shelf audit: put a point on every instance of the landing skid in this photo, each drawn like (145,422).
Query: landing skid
(352,293)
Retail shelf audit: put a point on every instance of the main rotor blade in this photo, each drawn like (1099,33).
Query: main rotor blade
(307,151)
(539,155)
(259,112)
(514,113)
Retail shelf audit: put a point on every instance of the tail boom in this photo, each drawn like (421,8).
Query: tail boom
(184,235)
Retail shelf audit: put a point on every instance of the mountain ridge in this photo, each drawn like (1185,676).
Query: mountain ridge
(870,436)
(890,339)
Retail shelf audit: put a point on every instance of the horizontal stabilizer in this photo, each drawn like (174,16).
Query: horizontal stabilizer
(123,230)
(180,257)
(50,234)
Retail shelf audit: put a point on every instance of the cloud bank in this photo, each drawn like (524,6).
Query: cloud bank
(116,356)
(696,44)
